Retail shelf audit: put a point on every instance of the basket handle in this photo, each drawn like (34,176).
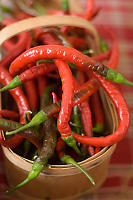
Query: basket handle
(46,21)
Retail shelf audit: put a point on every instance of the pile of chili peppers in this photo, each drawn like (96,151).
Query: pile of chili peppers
(53,76)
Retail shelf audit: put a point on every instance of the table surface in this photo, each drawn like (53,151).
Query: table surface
(118,15)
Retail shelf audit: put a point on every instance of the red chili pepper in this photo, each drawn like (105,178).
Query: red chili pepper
(89,9)
(85,110)
(67,98)
(67,54)
(87,89)
(97,149)
(60,147)
(21,15)
(22,103)
(54,97)
(86,115)
(32,95)
(19,45)
(31,73)
(9,113)
(83,92)
(41,84)
(16,50)
(123,114)
(114,58)
(97,113)
(56,12)
(53,52)
(103,56)
(48,38)
(54,101)
(78,42)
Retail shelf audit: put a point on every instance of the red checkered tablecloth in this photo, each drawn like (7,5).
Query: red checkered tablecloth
(118,15)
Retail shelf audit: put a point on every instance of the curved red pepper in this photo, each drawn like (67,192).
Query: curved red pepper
(9,113)
(31,93)
(14,49)
(52,52)
(123,114)
(67,98)
(97,111)
(41,84)
(22,104)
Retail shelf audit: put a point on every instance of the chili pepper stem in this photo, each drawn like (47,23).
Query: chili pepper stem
(36,169)
(71,142)
(39,118)
(13,84)
(69,160)
(117,77)
(98,128)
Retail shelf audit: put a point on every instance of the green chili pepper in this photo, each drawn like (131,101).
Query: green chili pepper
(69,160)
(103,46)
(39,118)
(39,8)
(49,144)
(65,5)
(27,146)
(49,110)
(5,9)
(71,142)
(117,77)
(98,128)
(36,169)
(13,84)
(1,18)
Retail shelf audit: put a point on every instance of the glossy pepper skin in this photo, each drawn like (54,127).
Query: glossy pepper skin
(22,104)
(69,54)
(83,92)
(123,114)
(56,52)
(66,104)
(29,74)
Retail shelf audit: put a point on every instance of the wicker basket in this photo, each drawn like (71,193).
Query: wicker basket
(62,181)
